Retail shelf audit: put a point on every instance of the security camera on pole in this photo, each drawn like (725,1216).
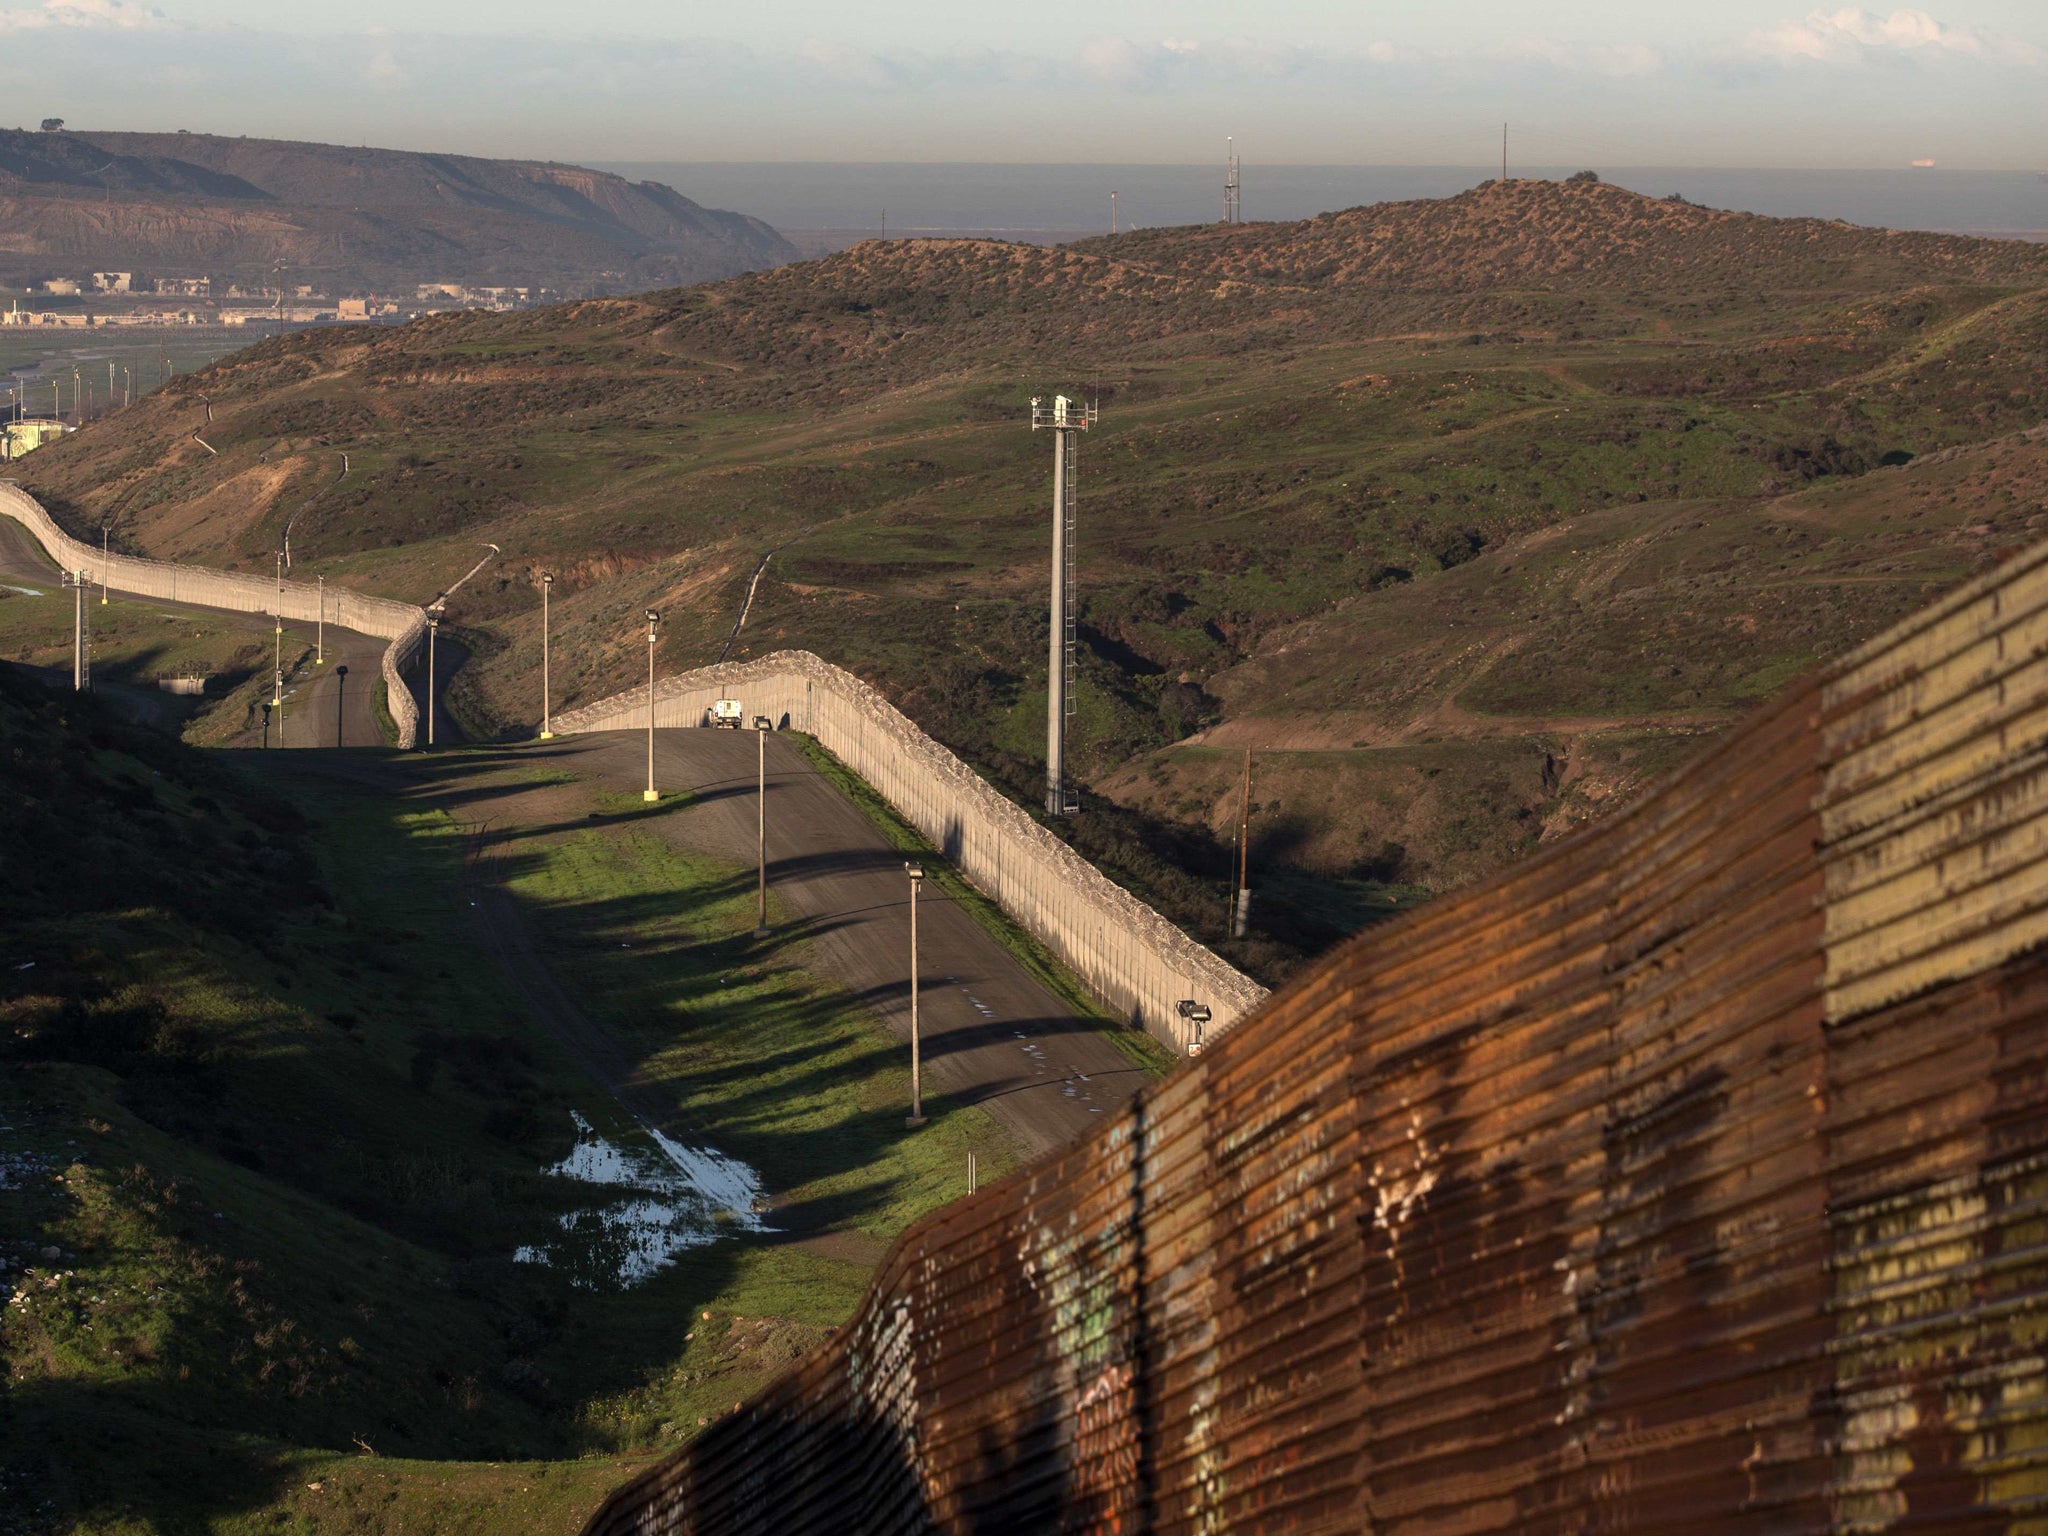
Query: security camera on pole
(762,726)
(277,656)
(78,581)
(433,631)
(547,582)
(653,619)
(1066,418)
(916,1116)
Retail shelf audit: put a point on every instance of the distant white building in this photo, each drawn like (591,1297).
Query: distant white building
(185,287)
(112,282)
(60,285)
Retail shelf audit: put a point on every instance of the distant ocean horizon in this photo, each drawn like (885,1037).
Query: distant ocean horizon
(1066,201)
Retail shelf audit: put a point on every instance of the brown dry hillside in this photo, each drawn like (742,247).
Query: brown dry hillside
(1482,509)
(190,203)
(1520,232)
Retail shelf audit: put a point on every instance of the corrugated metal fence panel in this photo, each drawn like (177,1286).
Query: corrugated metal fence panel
(1691,1177)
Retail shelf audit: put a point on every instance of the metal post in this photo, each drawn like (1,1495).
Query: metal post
(103,565)
(761,826)
(340,684)
(267,706)
(1065,417)
(653,619)
(547,732)
(277,658)
(433,629)
(916,1116)
(1240,917)
(1056,649)
(320,635)
(78,581)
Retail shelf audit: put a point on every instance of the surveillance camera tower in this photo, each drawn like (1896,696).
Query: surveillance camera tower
(1066,418)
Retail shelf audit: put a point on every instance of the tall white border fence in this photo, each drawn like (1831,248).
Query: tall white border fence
(400,623)
(1132,958)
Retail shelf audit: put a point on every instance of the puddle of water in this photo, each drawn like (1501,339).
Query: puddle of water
(680,1197)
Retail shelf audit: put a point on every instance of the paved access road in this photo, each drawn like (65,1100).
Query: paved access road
(318,701)
(991,1033)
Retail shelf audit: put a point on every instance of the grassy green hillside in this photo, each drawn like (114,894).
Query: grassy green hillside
(273,1126)
(1467,514)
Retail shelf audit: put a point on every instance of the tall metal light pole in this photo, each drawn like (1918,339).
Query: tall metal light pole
(433,629)
(340,683)
(320,634)
(78,581)
(916,1116)
(547,732)
(103,564)
(762,726)
(653,619)
(277,644)
(1066,418)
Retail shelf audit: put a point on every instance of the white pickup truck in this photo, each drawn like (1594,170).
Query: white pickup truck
(728,714)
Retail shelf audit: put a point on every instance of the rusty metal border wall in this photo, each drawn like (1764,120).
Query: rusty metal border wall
(1136,961)
(1689,1177)
(402,624)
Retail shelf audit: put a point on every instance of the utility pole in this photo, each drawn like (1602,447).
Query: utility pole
(1112,212)
(103,565)
(1066,418)
(1241,917)
(1233,212)
(267,707)
(547,732)
(762,726)
(916,1116)
(78,581)
(340,683)
(653,619)
(433,629)
(320,634)
(277,660)
(1503,151)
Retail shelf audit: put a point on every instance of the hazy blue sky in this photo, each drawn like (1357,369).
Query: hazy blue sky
(1739,82)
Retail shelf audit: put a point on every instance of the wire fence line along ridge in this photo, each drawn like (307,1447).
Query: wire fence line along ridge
(1138,963)
(402,624)
(1691,1175)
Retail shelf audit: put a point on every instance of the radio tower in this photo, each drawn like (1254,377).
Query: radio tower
(1231,213)
(1066,418)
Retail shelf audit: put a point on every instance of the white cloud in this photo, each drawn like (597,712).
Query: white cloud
(101,15)
(382,71)
(1852,35)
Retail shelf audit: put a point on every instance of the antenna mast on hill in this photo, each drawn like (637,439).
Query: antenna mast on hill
(1231,212)
(1066,418)
(1503,151)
